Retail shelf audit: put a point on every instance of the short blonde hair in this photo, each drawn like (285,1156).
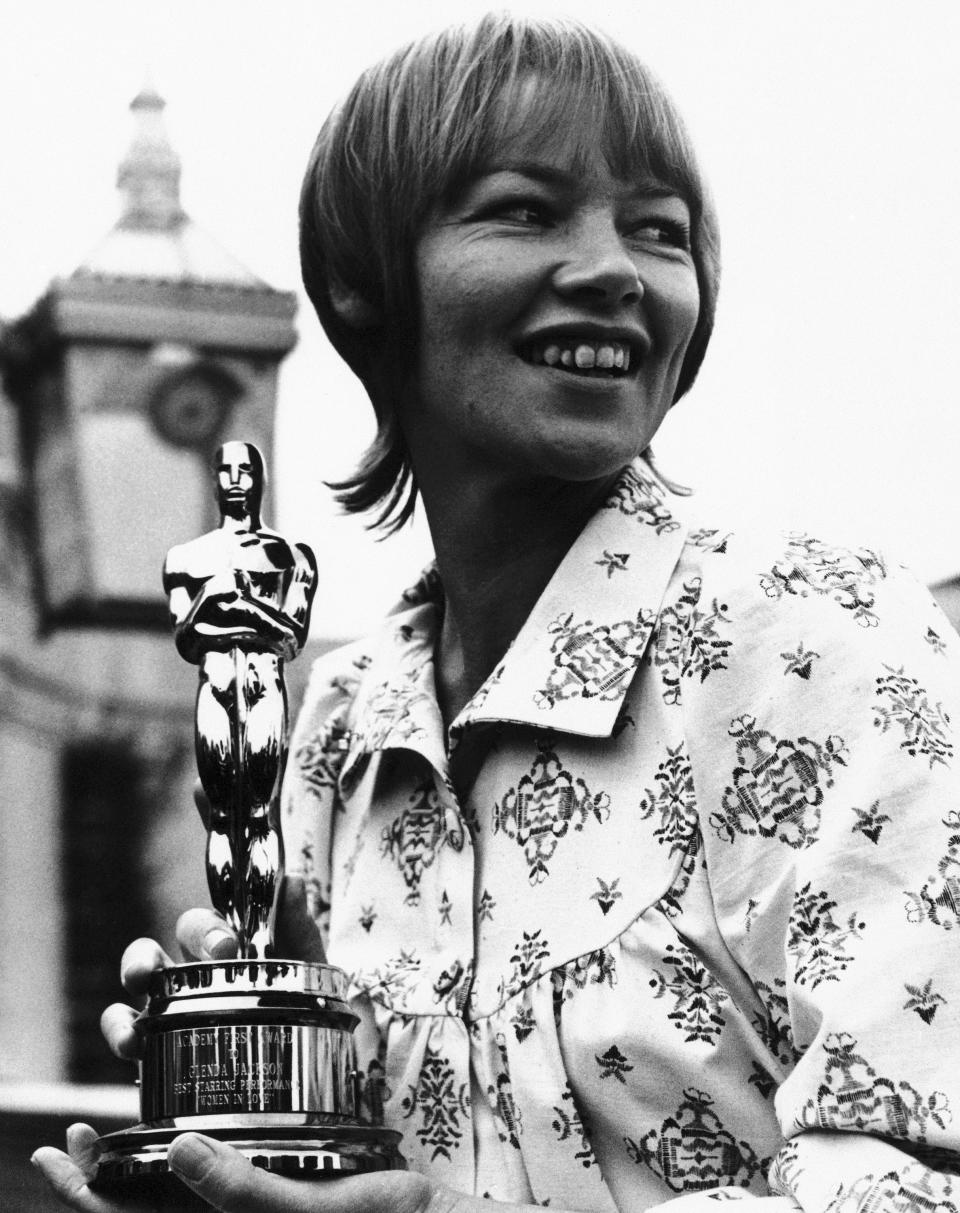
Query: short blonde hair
(415,129)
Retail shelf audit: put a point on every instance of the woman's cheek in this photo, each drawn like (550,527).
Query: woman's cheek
(672,304)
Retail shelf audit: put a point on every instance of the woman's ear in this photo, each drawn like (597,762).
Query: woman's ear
(352,308)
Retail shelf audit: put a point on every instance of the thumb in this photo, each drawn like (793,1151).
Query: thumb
(228,1181)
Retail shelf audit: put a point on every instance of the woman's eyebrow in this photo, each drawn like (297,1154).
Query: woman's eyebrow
(551,174)
(654,189)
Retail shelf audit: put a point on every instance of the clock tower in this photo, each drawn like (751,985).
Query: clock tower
(127,374)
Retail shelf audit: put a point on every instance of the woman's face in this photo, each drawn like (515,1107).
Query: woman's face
(556,306)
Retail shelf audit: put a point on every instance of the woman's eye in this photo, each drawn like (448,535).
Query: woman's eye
(522,211)
(669,232)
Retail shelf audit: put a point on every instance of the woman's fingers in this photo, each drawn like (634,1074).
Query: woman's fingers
(69,1175)
(297,935)
(139,960)
(229,1182)
(67,1181)
(203,935)
(117,1025)
(83,1149)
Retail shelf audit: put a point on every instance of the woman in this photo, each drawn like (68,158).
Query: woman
(638,837)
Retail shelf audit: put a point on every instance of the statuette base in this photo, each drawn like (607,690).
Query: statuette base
(256,1053)
(133,1161)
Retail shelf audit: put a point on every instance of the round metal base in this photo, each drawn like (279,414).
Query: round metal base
(134,1161)
(255,1053)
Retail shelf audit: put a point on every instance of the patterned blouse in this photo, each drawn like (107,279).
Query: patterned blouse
(689,931)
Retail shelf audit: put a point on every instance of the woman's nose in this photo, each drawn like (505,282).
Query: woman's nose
(598,266)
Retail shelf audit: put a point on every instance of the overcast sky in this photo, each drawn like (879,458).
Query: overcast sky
(831,135)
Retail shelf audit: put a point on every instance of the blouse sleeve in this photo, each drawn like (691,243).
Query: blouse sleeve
(826,767)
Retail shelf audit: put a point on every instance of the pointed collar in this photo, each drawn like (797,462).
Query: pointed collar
(574,658)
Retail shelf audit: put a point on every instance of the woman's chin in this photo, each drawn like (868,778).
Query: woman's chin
(580,458)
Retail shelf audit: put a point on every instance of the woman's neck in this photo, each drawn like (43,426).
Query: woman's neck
(497,547)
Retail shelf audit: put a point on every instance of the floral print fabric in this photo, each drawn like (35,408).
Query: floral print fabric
(689,930)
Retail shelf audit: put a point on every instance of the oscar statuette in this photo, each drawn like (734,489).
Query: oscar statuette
(256,1051)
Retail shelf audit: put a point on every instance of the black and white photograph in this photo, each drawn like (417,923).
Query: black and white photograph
(479,590)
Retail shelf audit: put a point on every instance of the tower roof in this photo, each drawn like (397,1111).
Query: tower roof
(154,239)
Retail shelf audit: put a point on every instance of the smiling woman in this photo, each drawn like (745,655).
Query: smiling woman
(557,264)
(468,101)
(632,831)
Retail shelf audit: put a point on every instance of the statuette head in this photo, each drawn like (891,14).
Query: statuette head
(238,469)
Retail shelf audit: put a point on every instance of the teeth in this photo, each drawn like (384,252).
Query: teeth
(583,356)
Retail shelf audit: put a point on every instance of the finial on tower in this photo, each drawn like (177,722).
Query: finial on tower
(149,174)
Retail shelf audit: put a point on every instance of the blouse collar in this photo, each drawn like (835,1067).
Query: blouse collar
(573,660)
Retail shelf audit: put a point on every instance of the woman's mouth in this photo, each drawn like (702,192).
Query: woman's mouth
(609,359)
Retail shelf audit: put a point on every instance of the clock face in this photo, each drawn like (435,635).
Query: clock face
(189,409)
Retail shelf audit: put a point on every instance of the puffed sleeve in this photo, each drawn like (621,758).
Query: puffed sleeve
(826,763)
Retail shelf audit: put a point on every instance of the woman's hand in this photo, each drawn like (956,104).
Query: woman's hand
(204,935)
(229,1182)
